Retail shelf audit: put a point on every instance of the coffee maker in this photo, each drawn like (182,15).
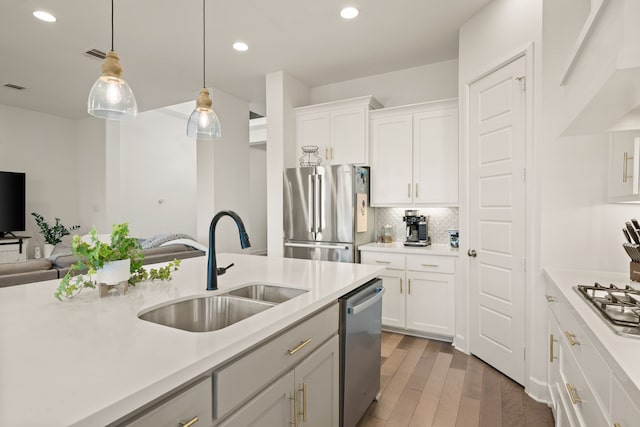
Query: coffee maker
(417,230)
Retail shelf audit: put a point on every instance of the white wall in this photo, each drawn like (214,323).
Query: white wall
(501,30)
(44,147)
(157,175)
(283,94)
(258,198)
(409,86)
(90,173)
(574,185)
(231,170)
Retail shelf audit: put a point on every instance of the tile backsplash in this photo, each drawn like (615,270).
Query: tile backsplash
(439,221)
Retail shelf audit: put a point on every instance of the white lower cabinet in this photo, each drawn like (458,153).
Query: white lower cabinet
(584,389)
(420,292)
(292,378)
(309,393)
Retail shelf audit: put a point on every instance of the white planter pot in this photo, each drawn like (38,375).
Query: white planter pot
(114,272)
(48,249)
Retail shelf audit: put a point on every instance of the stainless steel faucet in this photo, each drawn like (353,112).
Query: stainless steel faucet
(212,270)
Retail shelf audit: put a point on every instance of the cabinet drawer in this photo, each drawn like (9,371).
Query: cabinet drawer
(431,263)
(183,407)
(624,411)
(581,397)
(386,259)
(241,379)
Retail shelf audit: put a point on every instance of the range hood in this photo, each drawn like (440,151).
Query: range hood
(602,78)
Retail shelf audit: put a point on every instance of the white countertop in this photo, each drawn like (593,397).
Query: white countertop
(622,353)
(90,360)
(399,247)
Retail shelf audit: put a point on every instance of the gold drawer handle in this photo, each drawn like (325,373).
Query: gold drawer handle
(551,341)
(550,298)
(571,338)
(293,351)
(429,265)
(617,425)
(572,396)
(383,262)
(400,285)
(189,423)
(625,173)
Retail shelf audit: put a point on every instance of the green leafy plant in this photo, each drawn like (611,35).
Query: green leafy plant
(52,234)
(93,255)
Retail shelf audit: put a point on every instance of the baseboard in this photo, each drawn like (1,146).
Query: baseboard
(460,343)
(538,390)
(417,334)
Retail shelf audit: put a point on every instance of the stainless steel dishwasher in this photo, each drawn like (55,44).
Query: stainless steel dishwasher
(360,323)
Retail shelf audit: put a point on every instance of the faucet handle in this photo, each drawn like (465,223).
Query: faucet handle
(221,270)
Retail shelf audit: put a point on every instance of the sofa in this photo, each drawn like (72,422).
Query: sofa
(160,248)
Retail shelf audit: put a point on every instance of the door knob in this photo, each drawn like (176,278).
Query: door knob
(472,253)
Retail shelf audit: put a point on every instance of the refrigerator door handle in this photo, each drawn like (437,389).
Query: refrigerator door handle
(311,204)
(311,245)
(319,206)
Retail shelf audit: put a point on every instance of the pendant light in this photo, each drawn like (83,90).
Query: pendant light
(111,97)
(203,122)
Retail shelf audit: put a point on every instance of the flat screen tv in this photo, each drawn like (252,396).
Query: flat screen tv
(12,202)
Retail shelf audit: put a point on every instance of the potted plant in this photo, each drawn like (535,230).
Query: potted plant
(52,234)
(117,261)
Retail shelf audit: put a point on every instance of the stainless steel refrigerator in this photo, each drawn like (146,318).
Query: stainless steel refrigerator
(326,212)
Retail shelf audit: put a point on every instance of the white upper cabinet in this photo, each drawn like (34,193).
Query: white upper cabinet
(339,129)
(602,76)
(624,167)
(414,155)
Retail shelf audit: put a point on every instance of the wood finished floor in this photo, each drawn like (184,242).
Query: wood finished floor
(427,383)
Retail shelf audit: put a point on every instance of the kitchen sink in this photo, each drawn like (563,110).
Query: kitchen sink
(206,313)
(269,293)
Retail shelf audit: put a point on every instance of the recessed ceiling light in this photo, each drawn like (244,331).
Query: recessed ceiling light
(240,46)
(349,12)
(44,16)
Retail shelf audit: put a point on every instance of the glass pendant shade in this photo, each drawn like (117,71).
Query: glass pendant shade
(203,122)
(111,97)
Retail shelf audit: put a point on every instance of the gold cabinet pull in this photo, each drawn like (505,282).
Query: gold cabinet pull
(300,346)
(551,341)
(416,190)
(189,423)
(326,153)
(294,397)
(617,425)
(331,153)
(383,262)
(571,338)
(430,265)
(400,285)
(409,190)
(625,168)
(303,389)
(572,396)
(550,298)
(409,285)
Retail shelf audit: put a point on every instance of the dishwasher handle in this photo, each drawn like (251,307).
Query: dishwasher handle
(366,303)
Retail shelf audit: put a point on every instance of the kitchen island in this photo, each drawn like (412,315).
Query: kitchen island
(92,361)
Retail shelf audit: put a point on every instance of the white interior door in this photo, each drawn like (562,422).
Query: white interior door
(497,218)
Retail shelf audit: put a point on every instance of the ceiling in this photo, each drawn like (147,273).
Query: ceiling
(160,45)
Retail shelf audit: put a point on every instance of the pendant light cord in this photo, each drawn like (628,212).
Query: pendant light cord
(111,24)
(203,46)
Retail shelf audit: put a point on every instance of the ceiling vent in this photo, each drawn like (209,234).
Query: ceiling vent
(95,53)
(12,86)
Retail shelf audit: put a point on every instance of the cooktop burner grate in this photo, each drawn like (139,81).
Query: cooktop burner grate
(620,306)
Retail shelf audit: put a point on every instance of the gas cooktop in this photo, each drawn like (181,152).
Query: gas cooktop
(620,307)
